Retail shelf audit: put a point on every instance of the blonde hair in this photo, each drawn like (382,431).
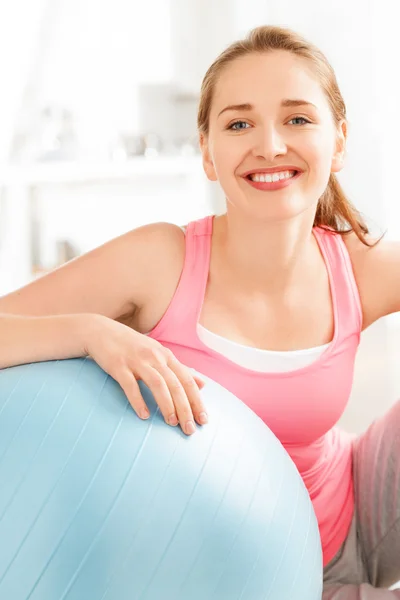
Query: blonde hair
(334,209)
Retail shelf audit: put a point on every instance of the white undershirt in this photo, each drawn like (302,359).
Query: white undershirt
(264,361)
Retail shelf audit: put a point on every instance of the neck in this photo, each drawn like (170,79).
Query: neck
(267,255)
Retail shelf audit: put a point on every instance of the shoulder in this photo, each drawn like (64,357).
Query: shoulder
(376,270)
(141,252)
(157,240)
(158,250)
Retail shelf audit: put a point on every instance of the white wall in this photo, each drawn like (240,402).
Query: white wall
(387,123)
(97,55)
(18,44)
(90,57)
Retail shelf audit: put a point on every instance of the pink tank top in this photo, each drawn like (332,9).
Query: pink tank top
(301,407)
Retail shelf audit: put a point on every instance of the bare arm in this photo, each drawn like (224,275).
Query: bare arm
(51,317)
(377,273)
(34,339)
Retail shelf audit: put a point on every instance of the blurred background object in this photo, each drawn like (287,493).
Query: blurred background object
(98,129)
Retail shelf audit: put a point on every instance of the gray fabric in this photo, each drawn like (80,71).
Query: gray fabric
(369,561)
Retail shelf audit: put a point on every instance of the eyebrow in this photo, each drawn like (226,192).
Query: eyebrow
(287,103)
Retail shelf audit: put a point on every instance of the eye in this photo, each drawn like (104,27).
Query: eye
(302,119)
(239,124)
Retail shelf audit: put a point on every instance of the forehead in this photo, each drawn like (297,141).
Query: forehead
(267,78)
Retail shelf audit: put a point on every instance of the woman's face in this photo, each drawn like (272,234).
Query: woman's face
(272,140)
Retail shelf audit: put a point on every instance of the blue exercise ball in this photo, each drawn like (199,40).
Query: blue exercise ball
(96,504)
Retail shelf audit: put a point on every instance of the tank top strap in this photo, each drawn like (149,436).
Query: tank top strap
(179,322)
(345,295)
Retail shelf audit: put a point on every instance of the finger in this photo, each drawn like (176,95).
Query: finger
(200,382)
(130,386)
(160,390)
(181,402)
(192,390)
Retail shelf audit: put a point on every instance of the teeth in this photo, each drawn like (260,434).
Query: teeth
(271,177)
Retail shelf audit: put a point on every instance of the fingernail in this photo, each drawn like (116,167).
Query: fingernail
(172,420)
(203,418)
(190,427)
(144,414)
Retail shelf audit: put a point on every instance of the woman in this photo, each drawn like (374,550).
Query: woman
(268,299)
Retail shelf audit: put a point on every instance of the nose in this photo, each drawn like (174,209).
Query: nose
(269,143)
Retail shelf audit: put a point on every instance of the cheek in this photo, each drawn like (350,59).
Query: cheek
(318,155)
(227,157)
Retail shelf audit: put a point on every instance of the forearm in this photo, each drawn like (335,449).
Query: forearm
(34,339)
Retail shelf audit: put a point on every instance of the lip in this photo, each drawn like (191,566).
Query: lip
(277,169)
(273,185)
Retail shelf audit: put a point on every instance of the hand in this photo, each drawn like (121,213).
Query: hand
(128,356)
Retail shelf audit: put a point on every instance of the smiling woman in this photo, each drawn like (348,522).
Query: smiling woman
(267,56)
(268,299)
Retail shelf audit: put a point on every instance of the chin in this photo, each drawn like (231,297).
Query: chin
(275,210)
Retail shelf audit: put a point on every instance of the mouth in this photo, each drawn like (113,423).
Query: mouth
(273,180)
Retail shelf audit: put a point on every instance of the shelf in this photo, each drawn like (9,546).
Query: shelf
(86,172)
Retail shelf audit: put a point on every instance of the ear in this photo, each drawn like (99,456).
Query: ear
(340,147)
(208,164)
